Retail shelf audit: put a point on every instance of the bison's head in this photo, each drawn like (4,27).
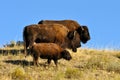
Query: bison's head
(74,41)
(84,33)
(66,55)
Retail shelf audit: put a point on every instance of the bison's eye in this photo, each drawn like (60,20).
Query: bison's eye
(83,31)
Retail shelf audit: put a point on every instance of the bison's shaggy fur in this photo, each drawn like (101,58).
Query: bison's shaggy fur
(54,33)
(50,51)
(72,25)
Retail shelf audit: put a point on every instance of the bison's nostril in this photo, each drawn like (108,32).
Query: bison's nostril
(84,42)
(69,58)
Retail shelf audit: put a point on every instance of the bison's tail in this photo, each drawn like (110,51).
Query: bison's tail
(24,39)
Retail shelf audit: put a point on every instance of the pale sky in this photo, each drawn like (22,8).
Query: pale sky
(101,16)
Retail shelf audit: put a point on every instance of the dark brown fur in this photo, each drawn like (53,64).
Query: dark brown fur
(55,33)
(50,51)
(72,26)
(84,35)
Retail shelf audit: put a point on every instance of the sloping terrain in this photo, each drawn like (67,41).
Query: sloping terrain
(86,64)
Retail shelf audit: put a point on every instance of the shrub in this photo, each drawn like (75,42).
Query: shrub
(97,62)
(73,73)
(18,73)
(114,66)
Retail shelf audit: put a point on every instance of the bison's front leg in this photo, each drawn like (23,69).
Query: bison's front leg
(55,61)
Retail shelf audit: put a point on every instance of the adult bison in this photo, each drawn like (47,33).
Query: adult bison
(54,33)
(72,26)
(50,51)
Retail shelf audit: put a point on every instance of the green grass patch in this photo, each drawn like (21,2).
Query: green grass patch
(71,73)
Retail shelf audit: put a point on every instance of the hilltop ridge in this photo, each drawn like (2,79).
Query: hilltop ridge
(86,64)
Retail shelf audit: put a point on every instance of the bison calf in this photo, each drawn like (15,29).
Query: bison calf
(50,51)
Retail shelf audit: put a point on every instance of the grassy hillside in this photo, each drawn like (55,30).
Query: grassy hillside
(86,64)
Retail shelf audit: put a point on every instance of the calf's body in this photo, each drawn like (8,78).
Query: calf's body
(50,51)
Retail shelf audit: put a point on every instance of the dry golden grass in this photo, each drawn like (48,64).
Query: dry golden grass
(86,64)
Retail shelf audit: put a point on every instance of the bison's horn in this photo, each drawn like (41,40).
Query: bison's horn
(75,32)
(82,28)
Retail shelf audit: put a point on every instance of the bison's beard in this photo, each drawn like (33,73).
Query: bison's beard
(74,49)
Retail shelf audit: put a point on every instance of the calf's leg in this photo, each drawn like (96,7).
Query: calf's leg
(35,59)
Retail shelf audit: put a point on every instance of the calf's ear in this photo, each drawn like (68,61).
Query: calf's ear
(71,34)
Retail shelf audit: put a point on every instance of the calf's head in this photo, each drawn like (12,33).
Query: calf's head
(66,55)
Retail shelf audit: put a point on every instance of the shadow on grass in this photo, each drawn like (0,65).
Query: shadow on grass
(19,62)
(23,63)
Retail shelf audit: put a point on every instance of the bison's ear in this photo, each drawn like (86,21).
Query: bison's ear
(71,34)
(80,29)
(85,27)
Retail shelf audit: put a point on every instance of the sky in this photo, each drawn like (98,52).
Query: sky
(101,16)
